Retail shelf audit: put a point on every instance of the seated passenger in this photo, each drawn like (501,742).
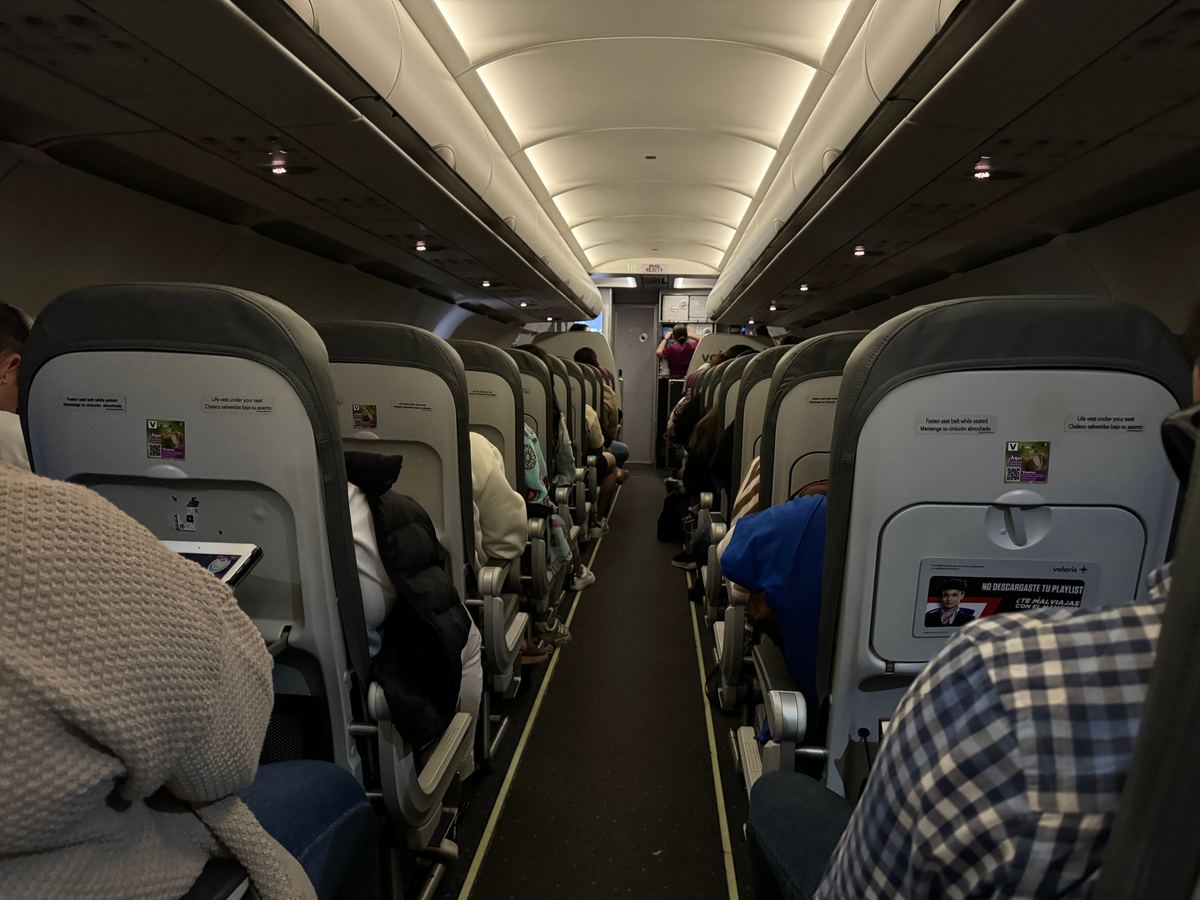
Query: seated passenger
(563,453)
(778,557)
(425,651)
(14,331)
(610,412)
(134,701)
(608,475)
(1000,775)
(502,531)
(560,550)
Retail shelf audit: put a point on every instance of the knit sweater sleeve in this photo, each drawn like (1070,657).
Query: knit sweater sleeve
(501,525)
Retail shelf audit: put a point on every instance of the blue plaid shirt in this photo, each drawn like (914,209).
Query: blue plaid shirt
(1004,763)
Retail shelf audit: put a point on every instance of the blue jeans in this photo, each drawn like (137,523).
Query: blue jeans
(321,815)
(795,825)
(620,452)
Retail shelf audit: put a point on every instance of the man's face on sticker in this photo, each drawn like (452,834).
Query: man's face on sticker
(951,597)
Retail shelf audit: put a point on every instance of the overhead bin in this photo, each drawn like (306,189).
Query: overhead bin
(892,37)
(382,43)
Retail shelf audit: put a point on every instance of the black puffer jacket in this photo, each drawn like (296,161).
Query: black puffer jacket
(419,662)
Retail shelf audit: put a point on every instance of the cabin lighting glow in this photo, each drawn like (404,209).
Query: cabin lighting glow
(278,170)
(487,284)
(751,322)
(983,167)
(523,304)
(549,318)
(804,287)
(859,251)
(420,246)
(772,307)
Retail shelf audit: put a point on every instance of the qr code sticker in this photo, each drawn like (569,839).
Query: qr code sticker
(1012,473)
(154,451)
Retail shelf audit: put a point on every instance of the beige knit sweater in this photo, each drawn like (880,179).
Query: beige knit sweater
(134,696)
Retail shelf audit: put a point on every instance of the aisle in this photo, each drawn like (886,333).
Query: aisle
(614,795)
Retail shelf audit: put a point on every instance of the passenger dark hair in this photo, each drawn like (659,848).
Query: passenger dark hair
(579,326)
(738,350)
(680,333)
(762,330)
(587,356)
(14,331)
(707,432)
(788,340)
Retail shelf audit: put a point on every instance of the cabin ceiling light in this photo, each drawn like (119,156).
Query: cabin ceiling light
(859,251)
(487,284)
(549,318)
(279,170)
(523,304)
(751,322)
(420,246)
(983,167)
(772,307)
(804,287)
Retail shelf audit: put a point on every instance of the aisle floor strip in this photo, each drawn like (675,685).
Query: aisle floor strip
(490,828)
(722,819)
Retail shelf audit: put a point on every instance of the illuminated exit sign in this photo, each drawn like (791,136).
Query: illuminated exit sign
(647,268)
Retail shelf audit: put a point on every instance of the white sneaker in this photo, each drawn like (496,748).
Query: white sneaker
(599,527)
(584,579)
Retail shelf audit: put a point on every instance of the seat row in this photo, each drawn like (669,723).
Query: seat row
(216,414)
(978,456)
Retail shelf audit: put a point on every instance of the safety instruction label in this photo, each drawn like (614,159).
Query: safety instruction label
(1077,422)
(1026,462)
(482,392)
(822,400)
(164,439)
(190,517)
(422,407)
(365,415)
(964,424)
(956,592)
(234,403)
(110,402)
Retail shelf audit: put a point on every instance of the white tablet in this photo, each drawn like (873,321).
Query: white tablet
(228,562)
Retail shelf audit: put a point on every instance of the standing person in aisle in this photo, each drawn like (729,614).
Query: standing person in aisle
(677,350)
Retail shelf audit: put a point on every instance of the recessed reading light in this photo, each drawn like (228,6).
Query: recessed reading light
(804,287)
(278,170)
(523,304)
(487,284)
(859,251)
(983,167)
(420,245)
(549,318)
(751,322)
(772,307)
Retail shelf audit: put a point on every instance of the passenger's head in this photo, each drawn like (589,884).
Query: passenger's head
(953,592)
(762,331)
(680,333)
(545,358)
(14,332)
(788,339)
(738,350)
(579,326)
(706,433)
(587,356)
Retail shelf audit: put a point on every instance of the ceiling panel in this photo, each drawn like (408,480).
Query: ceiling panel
(705,85)
(798,28)
(653,228)
(605,253)
(702,201)
(607,157)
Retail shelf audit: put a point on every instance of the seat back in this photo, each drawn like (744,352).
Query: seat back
(496,404)
(207,413)
(752,407)
(562,393)
(711,344)
(578,398)
(798,422)
(728,387)
(565,343)
(712,379)
(413,385)
(538,395)
(591,386)
(1001,450)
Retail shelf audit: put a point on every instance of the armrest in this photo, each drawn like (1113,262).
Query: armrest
(706,500)
(771,668)
(492,577)
(787,716)
(538,554)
